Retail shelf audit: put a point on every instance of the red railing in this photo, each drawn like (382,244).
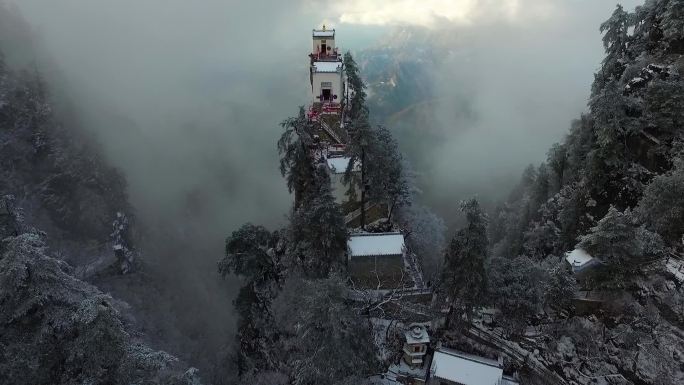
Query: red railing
(331,107)
(325,108)
(324,56)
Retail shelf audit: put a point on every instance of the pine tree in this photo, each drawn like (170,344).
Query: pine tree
(463,276)
(252,252)
(572,218)
(619,243)
(59,330)
(387,177)
(357,108)
(360,141)
(662,205)
(561,287)
(615,42)
(673,25)
(318,235)
(514,216)
(296,162)
(541,189)
(663,111)
(326,340)
(516,288)
(374,148)
(122,243)
(541,239)
(557,159)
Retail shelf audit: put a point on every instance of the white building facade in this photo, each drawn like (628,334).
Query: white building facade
(337,165)
(451,367)
(323,43)
(327,72)
(327,82)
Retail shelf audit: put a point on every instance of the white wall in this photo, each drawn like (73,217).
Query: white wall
(334,78)
(338,188)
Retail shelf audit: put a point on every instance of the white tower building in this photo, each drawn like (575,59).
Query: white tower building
(327,75)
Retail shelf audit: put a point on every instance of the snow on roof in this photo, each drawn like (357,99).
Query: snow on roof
(324,33)
(578,258)
(327,66)
(338,164)
(416,334)
(465,369)
(366,244)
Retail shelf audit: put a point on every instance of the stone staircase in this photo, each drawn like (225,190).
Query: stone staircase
(414,270)
(331,132)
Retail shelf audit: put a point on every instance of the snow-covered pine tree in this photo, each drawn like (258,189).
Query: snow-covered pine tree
(254,254)
(326,340)
(317,233)
(296,162)
(615,41)
(56,329)
(516,287)
(561,287)
(618,242)
(122,244)
(386,175)
(357,87)
(662,206)
(463,280)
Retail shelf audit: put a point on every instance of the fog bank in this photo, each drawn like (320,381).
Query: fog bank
(186,97)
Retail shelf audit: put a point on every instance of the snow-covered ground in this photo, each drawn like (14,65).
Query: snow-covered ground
(676,268)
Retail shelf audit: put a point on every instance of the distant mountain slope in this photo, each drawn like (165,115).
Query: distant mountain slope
(614,187)
(403,95)
(52,168)
(399,70)
(633,133)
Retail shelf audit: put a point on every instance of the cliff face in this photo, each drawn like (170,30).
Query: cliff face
(637,340)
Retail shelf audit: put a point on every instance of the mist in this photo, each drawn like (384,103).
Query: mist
(511,78)
(186,98)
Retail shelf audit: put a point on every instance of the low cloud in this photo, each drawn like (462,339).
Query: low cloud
(437,13)
(186,98)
